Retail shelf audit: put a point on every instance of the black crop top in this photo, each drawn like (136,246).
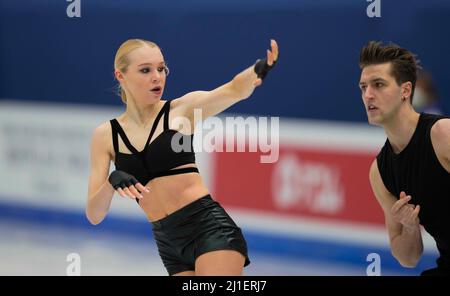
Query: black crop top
(158,158)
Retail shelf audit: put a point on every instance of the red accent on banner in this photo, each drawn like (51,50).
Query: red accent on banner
(304,182)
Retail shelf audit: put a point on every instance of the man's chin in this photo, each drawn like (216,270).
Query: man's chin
(373,121)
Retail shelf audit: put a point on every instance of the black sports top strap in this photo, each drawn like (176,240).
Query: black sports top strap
(174,172)
(114,135)
(118,129)
(155,123)
(166,116)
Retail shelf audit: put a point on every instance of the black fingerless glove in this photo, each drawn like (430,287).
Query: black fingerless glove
(120,179)
(262,68)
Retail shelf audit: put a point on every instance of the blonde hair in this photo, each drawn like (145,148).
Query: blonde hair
(121,61)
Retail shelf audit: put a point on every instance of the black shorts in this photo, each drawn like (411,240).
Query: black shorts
(200,227)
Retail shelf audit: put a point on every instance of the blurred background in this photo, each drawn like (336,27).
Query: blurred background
(311,212)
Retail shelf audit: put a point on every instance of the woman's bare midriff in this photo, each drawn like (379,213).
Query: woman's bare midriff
(170,193)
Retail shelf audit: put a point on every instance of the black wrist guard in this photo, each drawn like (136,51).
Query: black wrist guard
(262,68)
(120,179)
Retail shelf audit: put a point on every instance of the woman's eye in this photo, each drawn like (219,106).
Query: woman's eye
(145,70)
(160,69)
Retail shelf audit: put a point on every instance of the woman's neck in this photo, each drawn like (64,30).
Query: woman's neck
(140,115)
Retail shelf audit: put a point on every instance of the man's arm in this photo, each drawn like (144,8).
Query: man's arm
(401,219)
(440,138)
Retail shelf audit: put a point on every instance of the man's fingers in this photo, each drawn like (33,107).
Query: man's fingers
(399,204)
(408,214)
(404,212)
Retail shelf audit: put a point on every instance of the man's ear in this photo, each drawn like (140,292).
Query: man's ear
(406,90)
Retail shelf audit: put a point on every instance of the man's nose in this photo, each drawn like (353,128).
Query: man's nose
(368,93)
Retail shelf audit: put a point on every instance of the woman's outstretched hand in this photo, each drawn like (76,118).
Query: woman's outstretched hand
(262,67)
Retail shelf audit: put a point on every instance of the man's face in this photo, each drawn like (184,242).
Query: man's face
(381,94)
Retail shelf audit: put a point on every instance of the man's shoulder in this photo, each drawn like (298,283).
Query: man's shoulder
(440,140)
(440,131)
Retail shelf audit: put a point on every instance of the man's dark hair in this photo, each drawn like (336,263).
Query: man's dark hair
(404,63)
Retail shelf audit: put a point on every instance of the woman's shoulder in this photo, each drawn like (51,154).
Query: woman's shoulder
(178,106)
(103,132)
(101,138)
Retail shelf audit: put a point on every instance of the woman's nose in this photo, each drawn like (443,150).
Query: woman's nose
(156,76)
